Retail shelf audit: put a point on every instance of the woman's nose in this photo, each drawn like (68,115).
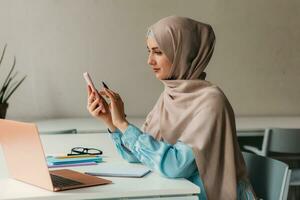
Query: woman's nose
(151,61)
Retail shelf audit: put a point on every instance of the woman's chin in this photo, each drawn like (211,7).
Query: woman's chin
(158,76)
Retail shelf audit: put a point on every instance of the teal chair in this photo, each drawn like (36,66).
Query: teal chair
(282,144)
(269,177)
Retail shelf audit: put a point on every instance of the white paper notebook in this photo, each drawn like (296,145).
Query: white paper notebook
(120,171)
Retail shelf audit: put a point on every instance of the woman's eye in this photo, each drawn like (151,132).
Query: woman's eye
(154,52)
(158,52)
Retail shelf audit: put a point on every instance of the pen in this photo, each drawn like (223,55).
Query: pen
(76,156)
(104,85)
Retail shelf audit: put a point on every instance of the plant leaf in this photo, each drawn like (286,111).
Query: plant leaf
(10,87)
(14,89)
(3,90)
(8,76)
(3,52)
(1,96)
(15,74)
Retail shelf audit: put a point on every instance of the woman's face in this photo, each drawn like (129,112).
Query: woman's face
(158,61)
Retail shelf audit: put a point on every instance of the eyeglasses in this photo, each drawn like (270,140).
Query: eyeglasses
(83,150)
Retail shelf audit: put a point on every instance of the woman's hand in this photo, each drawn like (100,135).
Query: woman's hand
(116,109)
(98,108)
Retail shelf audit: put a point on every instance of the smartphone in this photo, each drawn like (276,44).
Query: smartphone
(89,81)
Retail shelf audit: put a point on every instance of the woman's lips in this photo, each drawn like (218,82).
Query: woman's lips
(156,69)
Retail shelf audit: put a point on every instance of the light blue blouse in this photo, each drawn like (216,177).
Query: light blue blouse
(134,146)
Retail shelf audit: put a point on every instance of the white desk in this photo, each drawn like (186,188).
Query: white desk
(152,185)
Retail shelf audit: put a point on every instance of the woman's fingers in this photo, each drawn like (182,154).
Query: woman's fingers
(114,94)
(93,105)
(89,89)
(96,111)
(91,99)
(103,110)
(111,95)
(103,93)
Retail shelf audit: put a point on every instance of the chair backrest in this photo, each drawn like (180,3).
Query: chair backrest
(281,140)
(269,177)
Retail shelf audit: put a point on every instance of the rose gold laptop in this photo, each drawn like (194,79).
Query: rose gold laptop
(26,161)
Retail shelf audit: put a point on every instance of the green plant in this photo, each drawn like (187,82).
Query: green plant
(9,85)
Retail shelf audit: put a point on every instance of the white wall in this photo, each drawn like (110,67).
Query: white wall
(256,59)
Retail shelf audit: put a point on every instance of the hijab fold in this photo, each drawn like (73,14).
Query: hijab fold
(195,111)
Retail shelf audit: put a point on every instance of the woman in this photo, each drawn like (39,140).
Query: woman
(190,132)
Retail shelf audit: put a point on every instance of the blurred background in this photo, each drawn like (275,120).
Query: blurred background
(256,59)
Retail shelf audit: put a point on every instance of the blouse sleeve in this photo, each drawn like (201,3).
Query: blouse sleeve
(121,149)
(174,161)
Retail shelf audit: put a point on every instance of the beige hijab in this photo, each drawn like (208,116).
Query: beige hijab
(195,111)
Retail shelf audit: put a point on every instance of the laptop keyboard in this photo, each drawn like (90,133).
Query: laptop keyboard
(59,181)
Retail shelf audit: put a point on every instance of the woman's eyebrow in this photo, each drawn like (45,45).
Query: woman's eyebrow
(153,48)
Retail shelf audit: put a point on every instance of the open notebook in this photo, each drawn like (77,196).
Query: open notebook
(120,171)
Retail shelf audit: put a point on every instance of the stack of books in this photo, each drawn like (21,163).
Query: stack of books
(70,161)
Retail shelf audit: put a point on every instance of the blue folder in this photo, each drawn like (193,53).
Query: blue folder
(51,160)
